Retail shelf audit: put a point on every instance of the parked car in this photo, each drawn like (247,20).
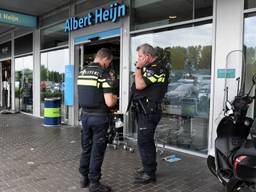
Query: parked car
(203,79)
(186,81)
(185,90)
(204,92)
(172,86)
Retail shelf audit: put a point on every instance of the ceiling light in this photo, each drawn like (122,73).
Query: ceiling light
(173,17)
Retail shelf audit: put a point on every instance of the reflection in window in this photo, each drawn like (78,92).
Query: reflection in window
(23,45)
(54,36)
(203,8)
(186,103)
(24,84)
(146,14)
(248,4)
(52,75)
(250,49)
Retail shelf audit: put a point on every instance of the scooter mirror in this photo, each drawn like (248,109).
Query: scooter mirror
(228,105)
(254,79)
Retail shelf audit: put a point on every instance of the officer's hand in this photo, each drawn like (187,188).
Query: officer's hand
(115,98)
(142,61)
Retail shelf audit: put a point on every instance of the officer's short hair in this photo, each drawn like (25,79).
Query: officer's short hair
(147,49)
(104,52)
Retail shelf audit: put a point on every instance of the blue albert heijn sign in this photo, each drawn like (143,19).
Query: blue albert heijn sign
(112,14)
(69,85)
(13,18)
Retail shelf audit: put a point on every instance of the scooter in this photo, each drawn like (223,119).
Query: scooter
(234,163)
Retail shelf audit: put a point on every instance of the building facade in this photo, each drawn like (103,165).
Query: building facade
(200,39)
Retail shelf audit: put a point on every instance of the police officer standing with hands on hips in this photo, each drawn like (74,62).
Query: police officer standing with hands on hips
(148,91)
(95,97)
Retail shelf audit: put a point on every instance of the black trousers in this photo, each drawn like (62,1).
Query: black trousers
(146,143)
(94,142)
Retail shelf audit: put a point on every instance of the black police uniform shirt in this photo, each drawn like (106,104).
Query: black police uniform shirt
(93,81)
(154,76)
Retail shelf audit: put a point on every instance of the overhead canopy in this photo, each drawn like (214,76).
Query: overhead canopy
(26,8)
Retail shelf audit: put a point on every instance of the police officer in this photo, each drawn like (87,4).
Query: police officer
(95,97)
(148,89)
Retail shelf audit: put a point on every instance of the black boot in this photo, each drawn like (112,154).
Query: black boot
(84,182)
(98,187)
(145,178)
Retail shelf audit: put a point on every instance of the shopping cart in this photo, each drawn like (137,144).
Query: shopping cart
(117,135)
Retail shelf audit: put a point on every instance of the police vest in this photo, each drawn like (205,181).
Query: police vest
(154,76)
(92,83)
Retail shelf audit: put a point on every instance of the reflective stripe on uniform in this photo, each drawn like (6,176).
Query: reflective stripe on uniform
(106,85)
(161,80)
(155,78)
(87,77)
(152,79)
(87,82)
(101,80)
(158,76)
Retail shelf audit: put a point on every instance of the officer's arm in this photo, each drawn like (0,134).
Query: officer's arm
(110,99)
(139,81)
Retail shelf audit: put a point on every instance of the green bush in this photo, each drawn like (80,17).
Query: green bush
(49,94)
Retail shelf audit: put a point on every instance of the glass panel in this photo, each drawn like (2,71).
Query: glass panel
(84,6)
(5,50)
(186,104)
(24,84)
(54,36)
(203,8)
(23,44)
(248,4)
(250,50)
(152,13)
(52,75)
(146,14)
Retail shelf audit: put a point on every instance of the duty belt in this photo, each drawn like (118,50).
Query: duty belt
(146,107)
(93,110)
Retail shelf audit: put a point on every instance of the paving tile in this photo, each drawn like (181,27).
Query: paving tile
(39,159)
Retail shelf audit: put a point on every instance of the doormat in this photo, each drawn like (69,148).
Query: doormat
(171,158)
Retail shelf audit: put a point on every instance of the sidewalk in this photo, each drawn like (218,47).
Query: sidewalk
(38,159)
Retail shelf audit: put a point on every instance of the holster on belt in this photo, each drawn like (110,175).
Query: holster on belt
(146,106)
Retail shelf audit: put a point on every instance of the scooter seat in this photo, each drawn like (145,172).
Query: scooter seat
(246,149)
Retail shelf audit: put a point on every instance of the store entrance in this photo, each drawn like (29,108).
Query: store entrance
(5,84)
(89,50)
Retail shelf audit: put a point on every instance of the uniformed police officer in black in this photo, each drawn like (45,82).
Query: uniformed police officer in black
(95,97)
(149,88)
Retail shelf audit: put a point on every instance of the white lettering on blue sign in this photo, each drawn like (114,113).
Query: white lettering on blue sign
(101,15)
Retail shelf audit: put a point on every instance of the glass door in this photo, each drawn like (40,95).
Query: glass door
(250,54)
(88,51)
(6,84)
(52,77)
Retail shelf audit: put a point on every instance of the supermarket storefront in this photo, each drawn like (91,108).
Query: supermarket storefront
(193,36)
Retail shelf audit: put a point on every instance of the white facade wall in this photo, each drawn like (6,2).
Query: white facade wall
(228,36)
